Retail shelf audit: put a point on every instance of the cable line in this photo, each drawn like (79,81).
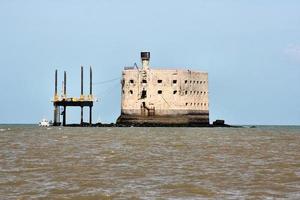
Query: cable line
(106,81)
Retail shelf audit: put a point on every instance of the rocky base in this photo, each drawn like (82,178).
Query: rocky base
(188,120)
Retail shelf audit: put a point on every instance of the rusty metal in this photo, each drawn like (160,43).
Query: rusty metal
(64,101)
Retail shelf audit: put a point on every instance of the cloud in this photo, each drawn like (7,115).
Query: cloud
(293,52)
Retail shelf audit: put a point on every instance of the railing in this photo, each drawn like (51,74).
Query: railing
(74,99)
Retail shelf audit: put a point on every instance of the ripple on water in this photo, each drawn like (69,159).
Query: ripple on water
(149,163)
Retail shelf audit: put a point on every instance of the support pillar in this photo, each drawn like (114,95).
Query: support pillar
(55,98)
(91,94)
(81,78)
(81,116)
(91,81)
(65,84)
(90,115)
(55,85)
(55,116)
(64,116)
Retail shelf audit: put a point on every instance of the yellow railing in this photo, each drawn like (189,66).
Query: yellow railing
(74,99)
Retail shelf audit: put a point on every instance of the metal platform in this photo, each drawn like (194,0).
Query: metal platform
(64,101)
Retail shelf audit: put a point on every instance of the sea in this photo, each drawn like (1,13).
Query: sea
(261,162)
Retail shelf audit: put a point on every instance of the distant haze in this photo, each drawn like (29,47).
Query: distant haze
(251,50)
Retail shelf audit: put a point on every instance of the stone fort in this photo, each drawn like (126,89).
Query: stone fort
(163,97)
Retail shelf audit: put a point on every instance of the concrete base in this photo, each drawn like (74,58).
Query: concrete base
(195,120)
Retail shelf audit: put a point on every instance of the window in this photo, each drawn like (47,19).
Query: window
(197,82)
(144,94)
(159,81)
(194,92)
(191,92)
(194,82)
(144,81)
(191,104)
(175,91)
(197,104)
(185,92)
(197,92)
(200,82)
(130,92)
(131,81)
(190,81)
(203,82)
(174,81)
(186,104)
(204,92)
(204,104)
(159,92)
(185,81)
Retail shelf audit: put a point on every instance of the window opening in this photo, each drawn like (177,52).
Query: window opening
(144,94)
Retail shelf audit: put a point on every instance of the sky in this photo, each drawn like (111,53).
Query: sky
(250,49)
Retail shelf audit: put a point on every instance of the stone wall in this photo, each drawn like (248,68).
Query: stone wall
(148,94)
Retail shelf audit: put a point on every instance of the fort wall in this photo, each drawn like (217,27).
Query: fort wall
(164,96)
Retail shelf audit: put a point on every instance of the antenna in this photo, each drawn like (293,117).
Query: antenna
(136,66)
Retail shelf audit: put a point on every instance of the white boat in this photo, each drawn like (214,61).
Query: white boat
(44,123)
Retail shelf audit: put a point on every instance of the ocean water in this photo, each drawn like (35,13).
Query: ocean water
(149,163)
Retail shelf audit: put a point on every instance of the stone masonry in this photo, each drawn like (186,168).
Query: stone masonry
(163,97)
